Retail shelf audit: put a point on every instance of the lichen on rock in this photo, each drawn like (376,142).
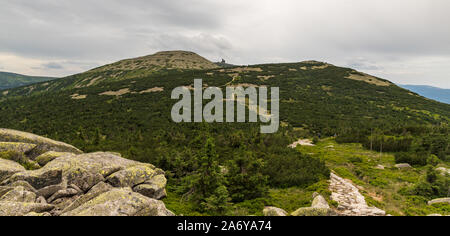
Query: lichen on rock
(42,144)
(313,211)
(50,156)
(273,211)
(121,202)
(73,183)
(9,168)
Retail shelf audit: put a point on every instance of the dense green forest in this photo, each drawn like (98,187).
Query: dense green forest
(12,80)
(216,167)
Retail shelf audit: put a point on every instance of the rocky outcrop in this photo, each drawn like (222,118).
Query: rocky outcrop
(8,168)
(69,182)
(351,201)
(120,202)
(43,145)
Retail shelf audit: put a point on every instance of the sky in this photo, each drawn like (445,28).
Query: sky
(405,41)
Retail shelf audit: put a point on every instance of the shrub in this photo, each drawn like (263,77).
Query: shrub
(295,169)
(355,159)
(433,160)
(419,159)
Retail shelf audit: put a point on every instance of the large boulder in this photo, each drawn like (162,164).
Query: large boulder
(97,190)
(47,157)
(273,211)
(37,178)
(87,170)
(320,202)
(132,176)
(9,168)
(121,202)
(42,144)
(153,188)
(312,211)
(27,186)
(22,208)
(403,166)
(48,191)
(19,194)
(16,147)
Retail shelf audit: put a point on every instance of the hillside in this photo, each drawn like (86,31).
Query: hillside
(438,94)
(136,68)
(11,80)
(125,107)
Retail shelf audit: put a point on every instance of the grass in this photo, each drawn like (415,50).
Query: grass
(380,187)
(288,199)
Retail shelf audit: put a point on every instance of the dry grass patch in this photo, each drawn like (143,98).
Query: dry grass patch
(265,77)
(246,85)
(116,93)
(245,69)
(77,96)
(368,79)
(92,82)
(153,90)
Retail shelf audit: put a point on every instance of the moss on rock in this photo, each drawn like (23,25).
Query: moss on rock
(42,144)
(50,156)
(9,168)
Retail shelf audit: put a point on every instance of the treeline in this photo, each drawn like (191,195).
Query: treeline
(419,145)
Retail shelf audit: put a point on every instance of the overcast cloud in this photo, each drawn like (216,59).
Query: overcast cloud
(406,41)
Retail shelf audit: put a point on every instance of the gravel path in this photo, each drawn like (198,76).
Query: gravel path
(351,201)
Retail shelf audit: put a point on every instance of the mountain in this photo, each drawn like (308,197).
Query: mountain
(11,80)
(125,107)
(138,68)
(347,98)
(438,94)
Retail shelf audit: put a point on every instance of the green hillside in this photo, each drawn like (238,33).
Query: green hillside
(125,107)
(11,80)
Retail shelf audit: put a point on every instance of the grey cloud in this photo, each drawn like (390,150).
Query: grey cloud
(362,64)
(95,29)
(53,66)
(400,40)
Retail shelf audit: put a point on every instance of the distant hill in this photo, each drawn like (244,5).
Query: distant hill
(12,80)
(315,96)
(438,94)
